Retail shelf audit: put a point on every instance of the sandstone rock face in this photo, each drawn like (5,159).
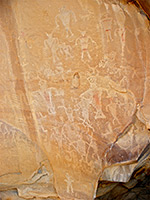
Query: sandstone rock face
(74,96)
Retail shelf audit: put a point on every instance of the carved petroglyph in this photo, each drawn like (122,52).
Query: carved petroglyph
(121,33)
(106,22)
(121,30)
(69,182)
(107,130)
(57,48)
(53,44)
(57,72)
(124,82)
(81,89)
(46,96)
(66,51)
(84,43)
(51,105)
(103,63)
(40,119)
(75,83)
(65,16)
(107,65)
(84,105)
(71,133)
(87,16)
(88,13)
(8,130)
(4,128)
(91,97)
(112,108)
(119,14)
(68,110)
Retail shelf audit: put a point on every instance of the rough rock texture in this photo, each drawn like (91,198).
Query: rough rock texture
(138,187)
(74,96)
(143,5)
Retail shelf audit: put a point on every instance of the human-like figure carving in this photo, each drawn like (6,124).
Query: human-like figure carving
(40,118)
(84,106)
(91,97)
(53,44)
(69,182)
(106,22)
(121,33)
(112,107)
(68,111)
(46,95)
(84,43)
(65,17)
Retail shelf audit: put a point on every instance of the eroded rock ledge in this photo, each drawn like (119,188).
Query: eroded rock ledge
(74,97)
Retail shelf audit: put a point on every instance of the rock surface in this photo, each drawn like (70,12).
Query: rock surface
(74,96)
(138,187)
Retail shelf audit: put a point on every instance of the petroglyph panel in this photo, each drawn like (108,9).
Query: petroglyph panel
(74,83)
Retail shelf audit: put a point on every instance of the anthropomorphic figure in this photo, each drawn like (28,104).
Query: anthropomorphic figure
(65,17)
(84,43)
(112,108)
(106,22)
(121,33)
(53,44)
(40,119)
(69,182)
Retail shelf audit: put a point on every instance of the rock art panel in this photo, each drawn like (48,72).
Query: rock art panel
(15,149)
(74,93)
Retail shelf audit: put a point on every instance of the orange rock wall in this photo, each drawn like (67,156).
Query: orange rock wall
(74,95)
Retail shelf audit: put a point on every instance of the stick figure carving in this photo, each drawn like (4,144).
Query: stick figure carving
(69,182)
(40,118)
(121,33)
(65,17)
(68,111)
(112,108)
(53,44)
(106,22)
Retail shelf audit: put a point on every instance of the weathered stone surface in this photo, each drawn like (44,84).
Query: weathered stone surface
(138,187)
(105,188)
(74,95)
